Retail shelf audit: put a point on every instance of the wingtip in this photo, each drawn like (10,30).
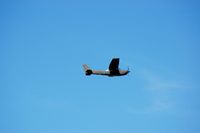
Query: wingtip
(116,58)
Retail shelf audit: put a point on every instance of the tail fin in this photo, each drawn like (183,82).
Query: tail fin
(87,70)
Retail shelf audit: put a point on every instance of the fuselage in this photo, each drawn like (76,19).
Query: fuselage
(110,73)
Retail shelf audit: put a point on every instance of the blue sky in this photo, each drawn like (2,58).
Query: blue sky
(44,43)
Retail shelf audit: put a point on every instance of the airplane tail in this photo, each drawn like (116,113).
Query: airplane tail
(87,70)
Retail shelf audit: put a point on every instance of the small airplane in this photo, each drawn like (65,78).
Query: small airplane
(112,71)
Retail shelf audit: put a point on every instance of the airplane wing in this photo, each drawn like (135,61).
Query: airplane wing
(114,64)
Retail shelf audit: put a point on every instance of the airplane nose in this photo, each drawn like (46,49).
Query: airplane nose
(128,71)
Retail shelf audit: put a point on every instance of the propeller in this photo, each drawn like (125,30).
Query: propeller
(128,71)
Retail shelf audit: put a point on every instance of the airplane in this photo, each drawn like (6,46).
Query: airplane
(113,70)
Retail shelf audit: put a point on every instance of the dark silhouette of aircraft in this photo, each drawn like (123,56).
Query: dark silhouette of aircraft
(112,71)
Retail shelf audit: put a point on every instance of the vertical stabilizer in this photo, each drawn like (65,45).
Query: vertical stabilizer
(87,69)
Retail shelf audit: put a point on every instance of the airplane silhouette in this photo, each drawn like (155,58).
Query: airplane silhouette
(112,71)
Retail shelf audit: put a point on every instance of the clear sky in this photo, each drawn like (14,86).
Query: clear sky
(43,44)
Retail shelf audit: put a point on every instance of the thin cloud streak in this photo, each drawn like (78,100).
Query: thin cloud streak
(158,83)
(159,93)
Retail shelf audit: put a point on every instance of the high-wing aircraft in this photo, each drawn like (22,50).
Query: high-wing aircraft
(113,69)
